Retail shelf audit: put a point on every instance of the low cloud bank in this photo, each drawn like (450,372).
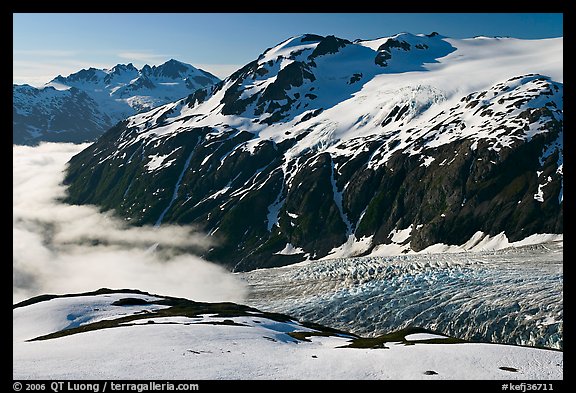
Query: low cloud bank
(60,248)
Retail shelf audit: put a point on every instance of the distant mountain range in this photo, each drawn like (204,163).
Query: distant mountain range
(83,105)
(322,147)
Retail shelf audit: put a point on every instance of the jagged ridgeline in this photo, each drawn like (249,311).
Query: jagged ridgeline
(82,106)
(327,147)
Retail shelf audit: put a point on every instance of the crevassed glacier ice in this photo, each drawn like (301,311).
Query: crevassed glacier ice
(512,296)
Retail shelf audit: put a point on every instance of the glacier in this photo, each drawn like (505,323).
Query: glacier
(510,296)
(130,334)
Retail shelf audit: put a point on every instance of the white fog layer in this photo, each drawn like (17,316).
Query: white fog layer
(60,248)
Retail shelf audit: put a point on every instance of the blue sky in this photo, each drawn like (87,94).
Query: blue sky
(45,45)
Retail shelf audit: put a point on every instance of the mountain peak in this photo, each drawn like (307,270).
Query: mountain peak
(123,67)
(87,75)
(172,69)
(88,102)
(310,37)
(379,137)
(173,61)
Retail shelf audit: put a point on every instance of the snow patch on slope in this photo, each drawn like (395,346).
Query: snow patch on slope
(400,244)
(246,347)
(289,249)
(175,193)
(158,161)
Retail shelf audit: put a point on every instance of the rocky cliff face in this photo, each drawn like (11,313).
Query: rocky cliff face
(326,147)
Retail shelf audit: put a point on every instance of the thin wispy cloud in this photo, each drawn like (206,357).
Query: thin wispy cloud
(44,53)
(38,67)
(144,56)
(37,73)
(60,248)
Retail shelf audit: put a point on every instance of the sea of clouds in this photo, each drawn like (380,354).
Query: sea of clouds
(60,248)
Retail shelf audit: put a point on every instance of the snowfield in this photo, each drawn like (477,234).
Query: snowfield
(432,79)
(399,143)
(133,335)
(324,109)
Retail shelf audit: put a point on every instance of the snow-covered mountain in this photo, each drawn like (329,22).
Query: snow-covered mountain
(127,334)
(53,115)
(83,105)
(324,147)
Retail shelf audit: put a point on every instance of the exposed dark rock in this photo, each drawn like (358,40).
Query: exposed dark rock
(311,38)
(310,115)
(355,78)
(293,74)
(382,58)
(327,45)
(392,43)
(385,51)
(197,97)
(267,204)
(130,301)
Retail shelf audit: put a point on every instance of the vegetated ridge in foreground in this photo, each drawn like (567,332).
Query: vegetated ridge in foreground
(128,334)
